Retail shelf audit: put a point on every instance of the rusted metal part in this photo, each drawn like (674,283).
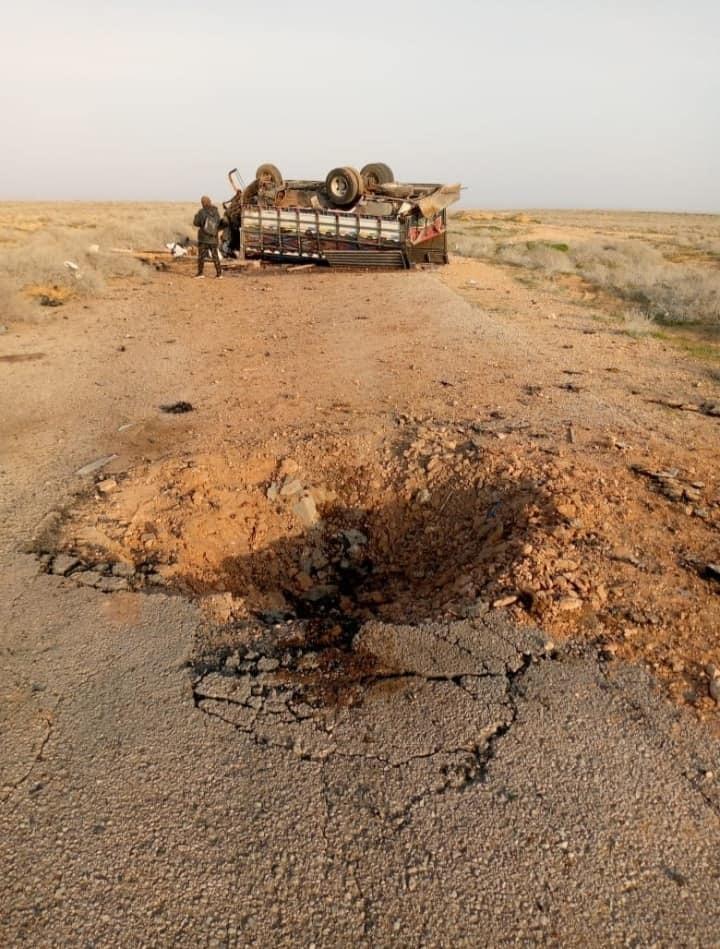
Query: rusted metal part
(418,234)
(438,199)
(392,259)
(299,220)
(235,180)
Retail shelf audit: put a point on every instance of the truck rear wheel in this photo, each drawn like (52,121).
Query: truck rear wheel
(272,172)
(377,173)
(344,186)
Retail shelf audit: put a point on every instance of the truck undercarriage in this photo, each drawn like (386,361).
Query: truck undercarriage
(352,218)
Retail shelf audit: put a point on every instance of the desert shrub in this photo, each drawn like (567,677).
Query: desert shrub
(690,296)
(41,259)
(671,292)
(36,256)
(536,255)
(471,246)
(638,323)
(145,229)
(630,269)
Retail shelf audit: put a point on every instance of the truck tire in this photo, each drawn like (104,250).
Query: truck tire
(377,173)
(271,171)
(344,186)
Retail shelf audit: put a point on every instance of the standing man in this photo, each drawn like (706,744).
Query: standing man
(209,224)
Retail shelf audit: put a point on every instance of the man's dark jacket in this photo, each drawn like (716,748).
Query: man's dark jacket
(199,222)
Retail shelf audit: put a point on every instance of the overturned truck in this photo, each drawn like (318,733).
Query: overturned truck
(353,218)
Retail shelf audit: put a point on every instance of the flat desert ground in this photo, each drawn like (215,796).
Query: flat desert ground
(360,608)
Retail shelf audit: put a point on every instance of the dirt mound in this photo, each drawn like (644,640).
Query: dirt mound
(440,523)
(416,530)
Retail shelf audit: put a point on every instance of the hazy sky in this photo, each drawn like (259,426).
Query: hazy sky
(591,103)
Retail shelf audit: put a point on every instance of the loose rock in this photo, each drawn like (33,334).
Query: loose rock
(306,511)
(504,601)
(569,603)
(112,584)
(714,689)
(355,538)
(290,488)
(63,564)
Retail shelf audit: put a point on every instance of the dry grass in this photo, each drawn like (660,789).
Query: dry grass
(40,243)
(637,324)
(666,266)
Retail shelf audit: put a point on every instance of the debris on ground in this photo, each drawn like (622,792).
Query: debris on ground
(107,577)
(671,484)
(93,466)
(177,250)
(711,408)
(177,408)
(63,564)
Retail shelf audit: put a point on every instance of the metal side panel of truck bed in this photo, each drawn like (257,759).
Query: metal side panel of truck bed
(343,238)
(320,235)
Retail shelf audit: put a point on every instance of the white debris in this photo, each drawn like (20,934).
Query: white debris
(96,465)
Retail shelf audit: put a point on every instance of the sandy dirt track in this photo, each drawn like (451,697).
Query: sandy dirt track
(503,775)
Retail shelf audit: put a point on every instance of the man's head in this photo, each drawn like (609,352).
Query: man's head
(205,201)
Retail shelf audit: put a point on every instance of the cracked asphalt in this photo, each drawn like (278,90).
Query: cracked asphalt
(493,792)
(437,694)
(490,789)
